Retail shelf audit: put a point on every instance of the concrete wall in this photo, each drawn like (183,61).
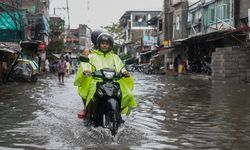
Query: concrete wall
(244,6)
(180,20)
(137,35)
(231,64)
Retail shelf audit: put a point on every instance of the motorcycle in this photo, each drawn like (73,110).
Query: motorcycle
(206,68)
(148,69)
(107,99)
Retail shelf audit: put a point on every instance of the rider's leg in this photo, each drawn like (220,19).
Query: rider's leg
(89,110)
(84,107)
(63,77)
(59,77)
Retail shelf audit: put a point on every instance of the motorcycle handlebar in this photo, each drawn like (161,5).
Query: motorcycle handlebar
(99,74)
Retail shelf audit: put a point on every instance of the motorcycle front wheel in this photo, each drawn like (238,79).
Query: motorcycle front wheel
(111,121)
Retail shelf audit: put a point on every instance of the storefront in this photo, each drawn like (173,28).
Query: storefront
(7,59)
(34,50)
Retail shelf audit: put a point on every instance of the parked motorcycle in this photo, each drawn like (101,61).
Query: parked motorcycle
(107,99)
(148,69)
(206,68)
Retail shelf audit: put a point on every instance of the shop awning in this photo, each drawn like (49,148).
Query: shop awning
(215,39)
(10,47)
(165,51)
(8,20)
(180,40)
(148,52)
(57,55)
(129,43)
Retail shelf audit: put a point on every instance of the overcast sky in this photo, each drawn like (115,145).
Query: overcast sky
(100,12)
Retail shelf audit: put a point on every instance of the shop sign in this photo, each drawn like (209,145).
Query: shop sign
(149,40)
(41,46)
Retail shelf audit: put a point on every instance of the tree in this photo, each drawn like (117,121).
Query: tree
(56,46)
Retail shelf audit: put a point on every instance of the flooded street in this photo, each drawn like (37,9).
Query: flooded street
(188,112)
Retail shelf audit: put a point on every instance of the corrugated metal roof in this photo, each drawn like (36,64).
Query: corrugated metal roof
(10,46)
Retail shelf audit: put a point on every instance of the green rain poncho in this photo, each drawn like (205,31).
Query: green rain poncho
(87,84)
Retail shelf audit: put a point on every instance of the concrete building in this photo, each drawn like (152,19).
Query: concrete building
(218,15)
(79,39)
(38,23)
(230,64)
(180,15)
(12,30)
(26,21)
(56,34)
(211,25)
(219,36)
(175,30)
(215,31)
(140,38)
(194,21)
(38,19)
(85,37)
(179,19)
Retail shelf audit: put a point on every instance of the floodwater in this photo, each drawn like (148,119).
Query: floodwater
(187,112)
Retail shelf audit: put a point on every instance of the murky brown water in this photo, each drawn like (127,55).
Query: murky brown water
(173,113)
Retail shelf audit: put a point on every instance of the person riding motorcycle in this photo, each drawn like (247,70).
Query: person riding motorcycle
(103,57)
(94,36)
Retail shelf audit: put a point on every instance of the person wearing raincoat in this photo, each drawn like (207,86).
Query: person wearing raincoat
(103,57)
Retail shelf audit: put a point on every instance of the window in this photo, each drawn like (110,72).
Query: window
(223,10)
(226,11)
(190,17)
(177,23)
(211,15)
(140,20)
(160,25)
(170,2)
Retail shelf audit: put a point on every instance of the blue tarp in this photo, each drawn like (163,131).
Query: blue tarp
(11,20)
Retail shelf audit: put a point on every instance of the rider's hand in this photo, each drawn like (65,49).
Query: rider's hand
(86,72)
(126,74)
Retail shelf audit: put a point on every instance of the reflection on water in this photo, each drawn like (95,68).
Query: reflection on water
(173,113)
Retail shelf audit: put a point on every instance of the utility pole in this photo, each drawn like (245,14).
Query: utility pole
(67,8)
(64,8)
(67,3)
(88,4)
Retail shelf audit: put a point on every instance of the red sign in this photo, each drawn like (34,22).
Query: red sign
(41,46)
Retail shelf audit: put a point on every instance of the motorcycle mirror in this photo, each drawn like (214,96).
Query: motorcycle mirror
(84,59)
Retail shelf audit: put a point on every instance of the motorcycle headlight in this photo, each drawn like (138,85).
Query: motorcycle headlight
(109,75)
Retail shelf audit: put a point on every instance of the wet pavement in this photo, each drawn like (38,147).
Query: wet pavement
(187,112)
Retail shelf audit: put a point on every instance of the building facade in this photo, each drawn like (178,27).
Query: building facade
(85,37)
(56,34)
(79,39)
(140,38)
(27,20)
